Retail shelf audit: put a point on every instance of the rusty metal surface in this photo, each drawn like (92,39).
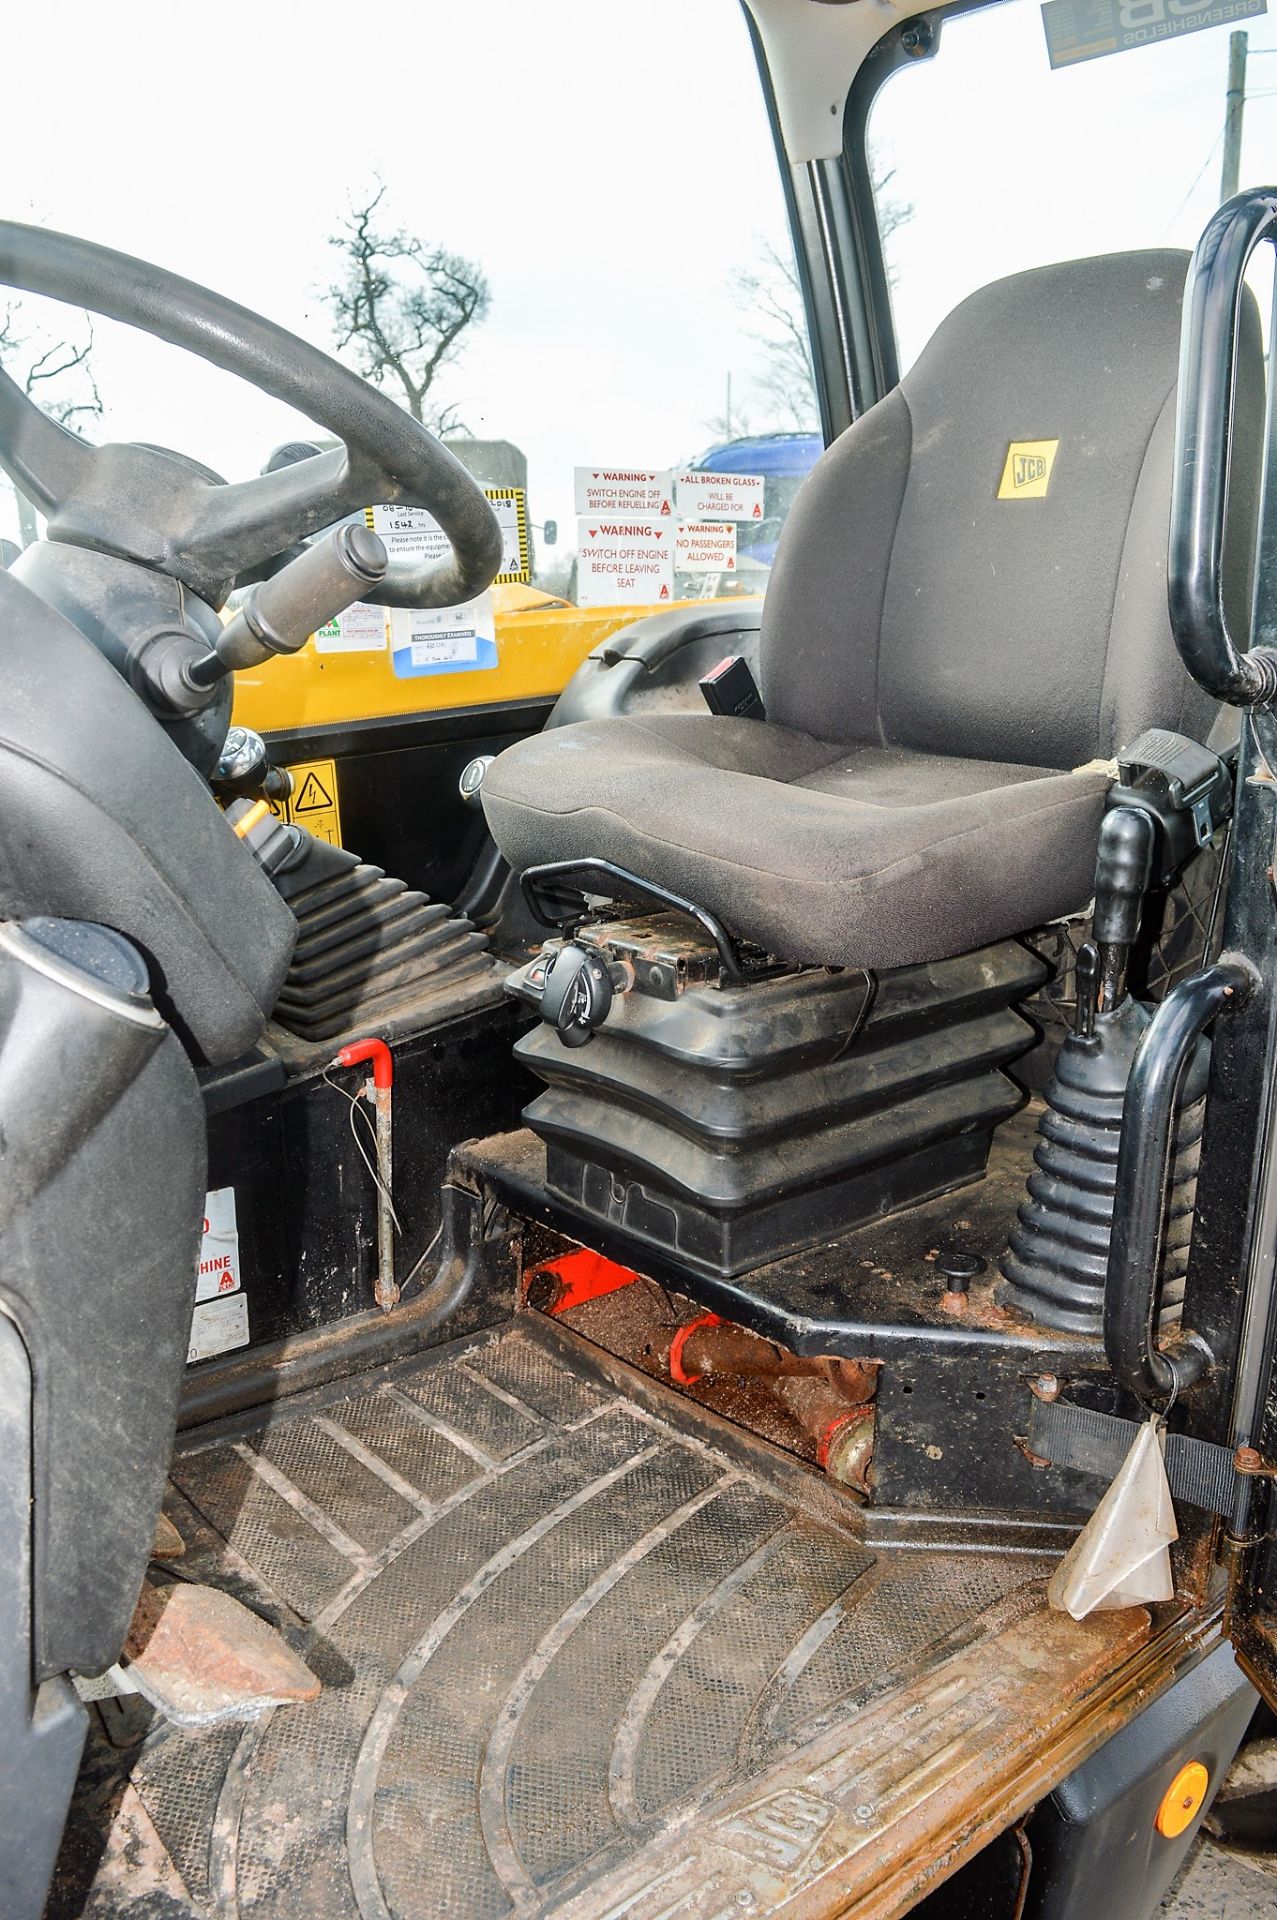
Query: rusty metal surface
(200,1656)
(566,1640)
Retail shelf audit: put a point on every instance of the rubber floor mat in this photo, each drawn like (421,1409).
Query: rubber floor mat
(545,1619)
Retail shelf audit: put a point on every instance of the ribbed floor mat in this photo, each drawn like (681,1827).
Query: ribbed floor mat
(544,1620)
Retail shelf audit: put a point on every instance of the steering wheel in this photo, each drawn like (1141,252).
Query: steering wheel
(163,511)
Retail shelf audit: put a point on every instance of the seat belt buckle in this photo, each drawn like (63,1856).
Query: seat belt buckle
(730,688)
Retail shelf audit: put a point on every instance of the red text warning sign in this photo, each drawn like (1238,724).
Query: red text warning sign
(705,546)
(719,496)
(635,493)
(624,561)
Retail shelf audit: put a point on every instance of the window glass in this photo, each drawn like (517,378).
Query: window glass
(588,195)
(988,161)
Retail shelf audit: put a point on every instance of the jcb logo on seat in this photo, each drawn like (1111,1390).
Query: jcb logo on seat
(1027,473)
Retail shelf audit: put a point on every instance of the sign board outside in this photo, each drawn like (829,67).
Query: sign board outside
(624,561)
(1088,29)
(719,496)
(705,546)
(624,493)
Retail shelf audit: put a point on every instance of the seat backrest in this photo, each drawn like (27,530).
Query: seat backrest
(978,565)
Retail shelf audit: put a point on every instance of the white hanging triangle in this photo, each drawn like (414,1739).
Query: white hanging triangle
(1120,1558)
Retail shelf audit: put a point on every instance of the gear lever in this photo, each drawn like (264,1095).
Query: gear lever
(279,616)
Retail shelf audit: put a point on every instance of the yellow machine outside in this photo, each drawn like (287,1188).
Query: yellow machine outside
(541,641)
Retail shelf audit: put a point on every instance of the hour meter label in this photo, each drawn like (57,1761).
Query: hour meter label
(719,496)
(444,639)
(632,493)
(622,562)
(1088,29)
(705,546)
(313,802)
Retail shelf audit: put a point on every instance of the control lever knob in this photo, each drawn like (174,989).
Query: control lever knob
(578,993)
(242,761)
(281,613)
(470,784)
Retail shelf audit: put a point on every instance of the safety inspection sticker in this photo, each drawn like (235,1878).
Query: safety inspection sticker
(444,639)
(636,493)
(705,546)
(360,629)
(1088,29)
(719,496)
(220,1320)
(624,560)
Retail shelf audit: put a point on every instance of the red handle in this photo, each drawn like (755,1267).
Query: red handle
(383,1066)
(678,1372)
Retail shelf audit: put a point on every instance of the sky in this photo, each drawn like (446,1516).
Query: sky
(610,167)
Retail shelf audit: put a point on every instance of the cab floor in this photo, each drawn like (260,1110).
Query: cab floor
(551,1620)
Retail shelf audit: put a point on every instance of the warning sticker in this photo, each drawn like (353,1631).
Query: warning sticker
(510,504)
(313,802)
(719,496)
(360,629)
(218,1270)
(444,639)
(624,560)
(635,493)
(218,1326)
(220,1320)
(705,546)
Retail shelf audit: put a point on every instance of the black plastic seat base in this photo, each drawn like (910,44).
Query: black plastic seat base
(735,1125)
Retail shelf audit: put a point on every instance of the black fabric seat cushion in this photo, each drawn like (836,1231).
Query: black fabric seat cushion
(838,855)
(966,648)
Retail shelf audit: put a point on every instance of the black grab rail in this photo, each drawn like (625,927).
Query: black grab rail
(1203,436)
(1132,1286)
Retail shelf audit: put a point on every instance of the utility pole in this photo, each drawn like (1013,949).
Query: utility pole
(1234,106)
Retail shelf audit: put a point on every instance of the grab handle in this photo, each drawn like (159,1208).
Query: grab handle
(1132,1284)
(1203,444)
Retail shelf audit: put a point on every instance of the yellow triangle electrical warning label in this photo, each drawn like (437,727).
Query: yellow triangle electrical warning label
(313,801)
(313,796)
(1027,473)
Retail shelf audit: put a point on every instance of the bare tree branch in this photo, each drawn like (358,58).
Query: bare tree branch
(57,377)
(402,308)
(772,290)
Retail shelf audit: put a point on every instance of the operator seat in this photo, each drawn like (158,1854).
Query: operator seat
(965,623)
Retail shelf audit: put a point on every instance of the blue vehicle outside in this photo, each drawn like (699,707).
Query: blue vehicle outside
(784,460)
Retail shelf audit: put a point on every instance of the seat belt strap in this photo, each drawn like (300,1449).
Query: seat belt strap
(1200,1471)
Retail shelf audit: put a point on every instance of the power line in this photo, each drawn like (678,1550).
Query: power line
(1201,174)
